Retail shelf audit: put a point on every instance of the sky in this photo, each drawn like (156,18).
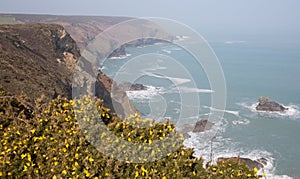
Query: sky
(213,18)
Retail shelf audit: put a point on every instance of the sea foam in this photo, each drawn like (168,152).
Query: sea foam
(293,111)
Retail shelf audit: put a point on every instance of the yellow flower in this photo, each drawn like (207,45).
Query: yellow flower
(144,170)
(214,169)
(264,174)
(1,174)
(221,172)
(65,105)
(64,172)
(164,177)
(55,163)
(54,177)
(36,171)
(76,156)
(18,132)
(255,170)
(32,131)
(9,173)
(249,175)
(86,172)
(91,159)
(136,173)
(29,157)
(129,139)
(23,155)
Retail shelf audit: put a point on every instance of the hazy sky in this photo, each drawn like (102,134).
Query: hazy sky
(210,17)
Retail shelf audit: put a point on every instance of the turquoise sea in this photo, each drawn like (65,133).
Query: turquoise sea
(251,69)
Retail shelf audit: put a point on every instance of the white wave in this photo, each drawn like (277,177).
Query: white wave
(167,51)
(179,81)
(235,42)
(176,81)
(149,93)
(193,90)
(175,48)
(293,111)
(236,113)
(225,147)
(120,57)
(181,37)
(241,122)
(272,176)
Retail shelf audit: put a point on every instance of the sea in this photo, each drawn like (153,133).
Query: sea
(178,89)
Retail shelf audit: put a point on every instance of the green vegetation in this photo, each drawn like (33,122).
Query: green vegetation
(49,142)
(9,20)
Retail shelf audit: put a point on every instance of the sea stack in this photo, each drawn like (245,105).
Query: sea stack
(202,126)
(266,104)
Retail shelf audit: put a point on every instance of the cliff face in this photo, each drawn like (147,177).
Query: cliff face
(37,59)
(40,59)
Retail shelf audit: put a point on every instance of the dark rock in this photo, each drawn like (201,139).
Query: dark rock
(266,104)
(145,41)
(132,87)
(202,126)
(137,86)
(119,52)
(250,163)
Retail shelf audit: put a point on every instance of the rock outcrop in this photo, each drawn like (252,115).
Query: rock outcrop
(266,104)
(127,86)
(202,126)
(260,163)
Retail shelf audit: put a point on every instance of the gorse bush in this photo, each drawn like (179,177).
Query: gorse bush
(63,140)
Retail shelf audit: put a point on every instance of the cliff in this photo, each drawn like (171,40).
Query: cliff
(39,59)
(84,29)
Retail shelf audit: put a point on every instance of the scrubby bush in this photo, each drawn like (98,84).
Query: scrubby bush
(55,141)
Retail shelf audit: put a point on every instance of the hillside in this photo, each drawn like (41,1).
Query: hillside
(81,28)
(39,60)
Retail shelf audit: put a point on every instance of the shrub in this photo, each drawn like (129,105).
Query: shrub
(50,142)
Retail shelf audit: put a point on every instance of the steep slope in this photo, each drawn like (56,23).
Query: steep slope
(39,59)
